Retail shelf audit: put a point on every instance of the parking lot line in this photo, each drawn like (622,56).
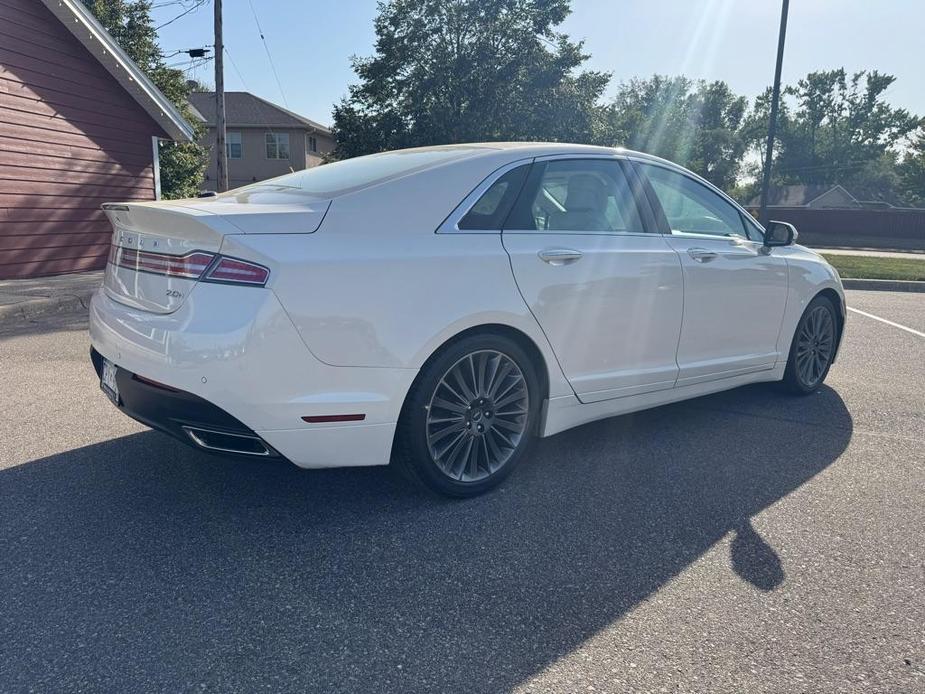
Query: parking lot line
(888,322)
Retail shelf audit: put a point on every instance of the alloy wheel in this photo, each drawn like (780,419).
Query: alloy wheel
(477,415)
(815,344)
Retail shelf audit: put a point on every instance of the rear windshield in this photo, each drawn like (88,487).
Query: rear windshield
(343,176)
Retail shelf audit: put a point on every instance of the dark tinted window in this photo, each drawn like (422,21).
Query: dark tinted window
(491,209)
(577,195)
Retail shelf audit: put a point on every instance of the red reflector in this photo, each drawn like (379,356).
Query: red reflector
(238,271)
(323,418)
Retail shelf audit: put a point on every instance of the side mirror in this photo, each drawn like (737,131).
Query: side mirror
(779,234)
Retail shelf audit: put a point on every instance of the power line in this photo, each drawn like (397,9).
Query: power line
(234,65)
(191,52)
(267,49)
(188,65)
(199,3)
(168,3)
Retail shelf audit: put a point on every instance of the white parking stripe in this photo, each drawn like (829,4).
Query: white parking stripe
(888,322)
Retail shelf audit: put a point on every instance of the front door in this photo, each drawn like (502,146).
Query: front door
(605,289)
(735,290)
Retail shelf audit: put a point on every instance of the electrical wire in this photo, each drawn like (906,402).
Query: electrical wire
(199,3)
(236,70)
(266,47)
(234,66)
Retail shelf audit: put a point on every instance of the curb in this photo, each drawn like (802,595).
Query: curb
(45,306)
(80,303)
(885,285)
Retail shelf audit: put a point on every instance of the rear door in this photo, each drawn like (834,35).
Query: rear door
(605,289)
(734,289)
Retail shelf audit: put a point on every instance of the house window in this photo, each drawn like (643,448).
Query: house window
(233,145)
(277,145)
(312,143)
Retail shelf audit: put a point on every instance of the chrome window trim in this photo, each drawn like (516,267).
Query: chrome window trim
(712,237)
(573,232)
(581,155)
(450,225)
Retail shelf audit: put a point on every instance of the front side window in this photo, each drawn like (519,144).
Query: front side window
(233,145)
(591,195)
(691,207)
(277,145)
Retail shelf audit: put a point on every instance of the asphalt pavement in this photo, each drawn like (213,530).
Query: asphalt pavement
(748,541)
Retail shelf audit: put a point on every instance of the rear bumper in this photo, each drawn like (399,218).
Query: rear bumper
(239,366)
(183,415)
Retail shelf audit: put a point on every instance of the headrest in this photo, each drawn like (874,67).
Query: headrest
(585,192)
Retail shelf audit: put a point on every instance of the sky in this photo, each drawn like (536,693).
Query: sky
(311,41)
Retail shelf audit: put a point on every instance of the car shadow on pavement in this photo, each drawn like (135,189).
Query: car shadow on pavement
(139,564)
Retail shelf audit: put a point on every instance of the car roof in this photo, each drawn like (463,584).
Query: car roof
(539,149)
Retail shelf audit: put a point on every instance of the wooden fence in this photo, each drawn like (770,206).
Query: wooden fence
(887,229)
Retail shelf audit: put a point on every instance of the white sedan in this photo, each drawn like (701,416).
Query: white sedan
(439,308)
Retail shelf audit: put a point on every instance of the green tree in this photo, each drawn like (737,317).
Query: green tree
(696,124)
(836,129)
(129,22)
(912,173)
(469,70)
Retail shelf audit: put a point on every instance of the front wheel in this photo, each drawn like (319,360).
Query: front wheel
(470,416)
(813,347)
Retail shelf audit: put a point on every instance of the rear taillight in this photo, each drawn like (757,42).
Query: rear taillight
(238,272)
(197,265)
(191,266)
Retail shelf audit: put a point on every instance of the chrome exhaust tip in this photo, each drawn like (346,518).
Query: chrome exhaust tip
(225,442)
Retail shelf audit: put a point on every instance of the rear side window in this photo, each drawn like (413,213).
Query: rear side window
(580,195)
(491,209)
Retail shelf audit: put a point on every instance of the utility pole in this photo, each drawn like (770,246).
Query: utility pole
(222,164)
(772,124)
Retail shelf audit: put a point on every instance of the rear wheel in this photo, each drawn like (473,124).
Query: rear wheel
(470,416)
(813,347)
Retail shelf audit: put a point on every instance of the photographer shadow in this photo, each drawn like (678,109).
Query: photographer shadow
(140,564)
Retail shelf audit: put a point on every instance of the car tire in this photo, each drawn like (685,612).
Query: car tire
(470,416)
(812,348)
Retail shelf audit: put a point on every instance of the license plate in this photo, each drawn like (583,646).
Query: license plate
(108,381)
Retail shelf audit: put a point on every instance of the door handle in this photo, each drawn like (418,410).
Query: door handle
(702,255)
(559,256)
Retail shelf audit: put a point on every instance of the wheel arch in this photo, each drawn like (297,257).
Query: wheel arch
(523,340)
(519,336)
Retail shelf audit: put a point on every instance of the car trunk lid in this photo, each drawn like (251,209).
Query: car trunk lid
(161,249)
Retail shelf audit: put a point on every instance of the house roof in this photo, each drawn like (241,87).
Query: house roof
(795,195)
(873,195)
(243,109)
(804,195)
(74,15)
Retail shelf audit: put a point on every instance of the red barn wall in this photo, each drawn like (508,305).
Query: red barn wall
(71,138)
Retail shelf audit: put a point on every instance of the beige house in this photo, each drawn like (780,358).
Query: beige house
(263,140)
(827,196)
